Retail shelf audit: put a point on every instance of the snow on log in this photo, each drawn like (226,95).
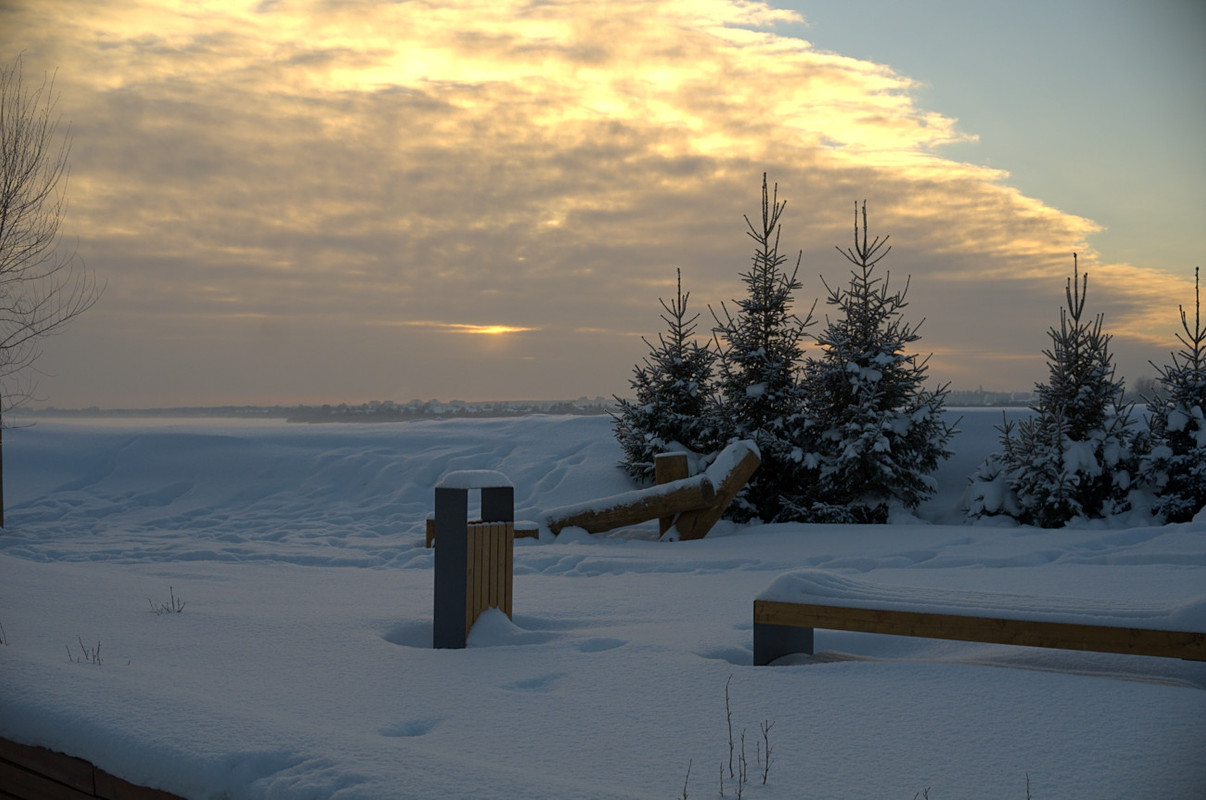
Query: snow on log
(729,473)
(635,507)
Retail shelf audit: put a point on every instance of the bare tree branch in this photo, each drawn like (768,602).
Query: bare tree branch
(43,285)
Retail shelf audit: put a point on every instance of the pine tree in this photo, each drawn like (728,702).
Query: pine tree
(871,429)
(672,409)
(760,352)
(1177,462)
(1078,454)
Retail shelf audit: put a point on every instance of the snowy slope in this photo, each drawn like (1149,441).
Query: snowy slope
(301,664)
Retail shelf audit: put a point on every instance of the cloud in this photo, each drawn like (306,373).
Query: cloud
(268,176)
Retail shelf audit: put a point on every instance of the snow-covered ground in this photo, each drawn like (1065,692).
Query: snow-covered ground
(301,665)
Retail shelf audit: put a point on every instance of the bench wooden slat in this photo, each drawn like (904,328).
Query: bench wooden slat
(111,787)
(1030,633)
(74,772)
(36,773)
(27,785)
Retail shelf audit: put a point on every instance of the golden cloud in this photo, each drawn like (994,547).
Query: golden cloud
(352,162)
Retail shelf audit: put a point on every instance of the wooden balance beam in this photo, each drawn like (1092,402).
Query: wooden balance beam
(782,628)
(694,504)
(633,508)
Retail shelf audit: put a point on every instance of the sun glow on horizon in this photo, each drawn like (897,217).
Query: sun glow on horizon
(461,327)
(490,330)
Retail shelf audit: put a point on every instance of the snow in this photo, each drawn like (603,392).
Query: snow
(819,587)
(1081,457)
(634,497)
(302,667)
(727,459)
(474,479)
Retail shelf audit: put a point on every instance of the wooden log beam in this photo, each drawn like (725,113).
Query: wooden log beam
(632,508)
(729,472)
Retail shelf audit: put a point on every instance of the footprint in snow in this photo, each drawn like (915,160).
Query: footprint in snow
(737,656)
(411,728)
(541,683)
(599,645)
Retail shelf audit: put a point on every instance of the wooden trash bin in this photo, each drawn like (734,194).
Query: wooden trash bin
(473,561)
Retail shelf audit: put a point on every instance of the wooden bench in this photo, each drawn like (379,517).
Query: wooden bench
(785,626)
(35,773)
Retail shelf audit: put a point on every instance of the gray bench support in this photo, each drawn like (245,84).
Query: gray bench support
(775,641)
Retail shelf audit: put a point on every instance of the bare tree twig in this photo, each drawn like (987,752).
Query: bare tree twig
(43,285)
(728,713)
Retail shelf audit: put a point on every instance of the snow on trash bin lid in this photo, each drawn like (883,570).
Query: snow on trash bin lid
(474,479)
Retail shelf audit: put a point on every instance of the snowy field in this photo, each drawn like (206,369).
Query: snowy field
(301,665)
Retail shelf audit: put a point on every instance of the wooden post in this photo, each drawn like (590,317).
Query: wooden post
(668,467)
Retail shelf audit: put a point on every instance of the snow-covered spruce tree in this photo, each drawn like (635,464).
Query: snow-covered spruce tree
(872,430)
(757,387)
(1177,462)
(672,409)
(1077,455)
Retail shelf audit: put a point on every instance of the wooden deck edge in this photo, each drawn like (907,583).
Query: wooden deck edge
(28,772)
(1187,645)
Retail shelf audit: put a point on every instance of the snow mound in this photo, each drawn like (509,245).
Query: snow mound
(819,587)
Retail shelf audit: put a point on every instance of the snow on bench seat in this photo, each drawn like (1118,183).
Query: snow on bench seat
(788,610)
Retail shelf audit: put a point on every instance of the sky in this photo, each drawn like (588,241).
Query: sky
(309,201)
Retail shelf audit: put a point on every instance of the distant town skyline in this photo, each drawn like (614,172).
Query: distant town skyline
(308,202)
(416,407)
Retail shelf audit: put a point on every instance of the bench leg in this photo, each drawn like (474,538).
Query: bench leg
(776,641)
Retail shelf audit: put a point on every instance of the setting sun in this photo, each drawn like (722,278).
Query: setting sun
(490,330)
